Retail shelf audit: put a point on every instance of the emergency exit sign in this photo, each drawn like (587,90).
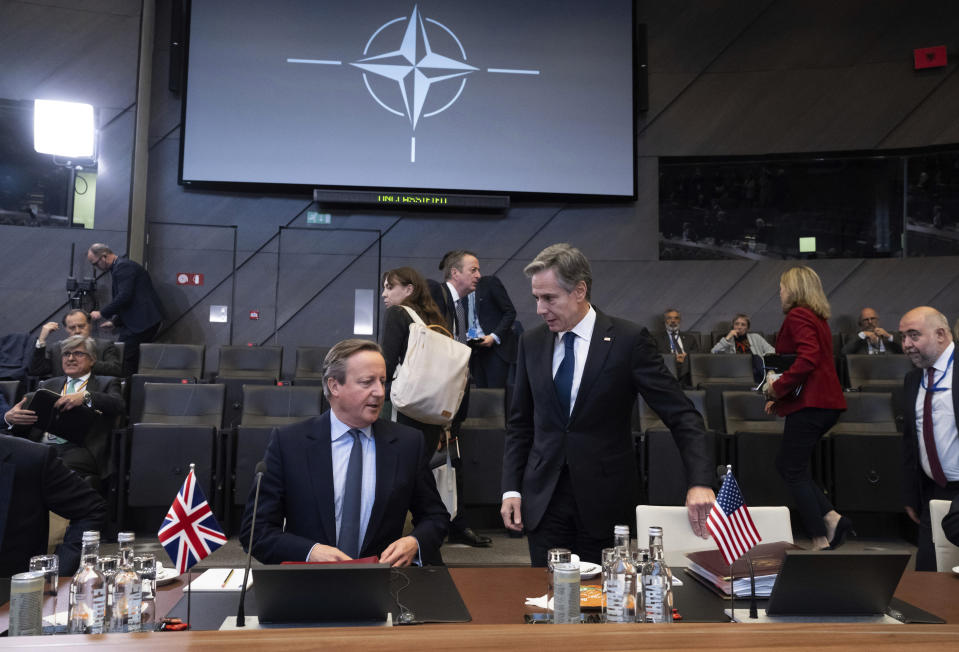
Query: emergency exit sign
(189,279)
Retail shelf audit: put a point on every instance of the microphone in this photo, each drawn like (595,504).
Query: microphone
(240,615)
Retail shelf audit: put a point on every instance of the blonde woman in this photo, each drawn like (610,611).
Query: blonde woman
(809,396)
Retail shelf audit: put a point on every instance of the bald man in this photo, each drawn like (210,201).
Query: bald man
(930,443)
(871,338)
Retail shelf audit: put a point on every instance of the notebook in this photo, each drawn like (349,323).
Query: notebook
(834,583)
(323,593)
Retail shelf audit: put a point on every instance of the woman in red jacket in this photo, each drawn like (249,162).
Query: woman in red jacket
(809,396)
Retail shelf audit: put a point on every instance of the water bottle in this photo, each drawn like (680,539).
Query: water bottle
(127,600)
(87,590)
(125,549)
(620,605)
(657,582)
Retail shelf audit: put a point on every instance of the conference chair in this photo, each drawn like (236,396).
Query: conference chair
(10,389)
(659,457)
(670,361)
(947,554)
(265,407)
(865,455)
(717,373)
(756,437)
(179,426)
(487,407)
(164,363)
(309,367)
(246,365)
(773,524)
(481,441)
(879,373)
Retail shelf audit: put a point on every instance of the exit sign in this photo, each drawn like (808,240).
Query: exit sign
(189,279)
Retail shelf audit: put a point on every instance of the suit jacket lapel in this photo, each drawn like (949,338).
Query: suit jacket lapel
(7,471)
(599,345)
(320,461)
(385,474)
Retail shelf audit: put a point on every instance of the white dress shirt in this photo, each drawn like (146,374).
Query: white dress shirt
(943,418)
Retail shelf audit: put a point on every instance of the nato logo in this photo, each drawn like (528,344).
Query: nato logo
(414,67)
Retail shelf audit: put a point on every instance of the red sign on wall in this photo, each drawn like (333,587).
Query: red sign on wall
(934,57)
(189,279)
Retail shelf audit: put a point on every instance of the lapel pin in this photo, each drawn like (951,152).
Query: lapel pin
(607,339)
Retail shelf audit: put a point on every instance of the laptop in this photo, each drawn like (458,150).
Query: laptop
(833,583)
(306,593)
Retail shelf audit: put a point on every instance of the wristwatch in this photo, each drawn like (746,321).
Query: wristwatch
(88,399)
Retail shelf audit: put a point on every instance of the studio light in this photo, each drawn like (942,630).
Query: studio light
(63,129)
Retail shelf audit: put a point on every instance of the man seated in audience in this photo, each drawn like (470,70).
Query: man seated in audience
(34,482)
(740,340)
(339,486)
(675,343)
(45,361)
(872,338)
(78,386)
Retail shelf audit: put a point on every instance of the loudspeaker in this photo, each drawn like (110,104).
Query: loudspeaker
(867,472)
(178,31)
(641,68)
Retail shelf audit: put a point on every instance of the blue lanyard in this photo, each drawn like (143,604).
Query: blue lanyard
(935,386)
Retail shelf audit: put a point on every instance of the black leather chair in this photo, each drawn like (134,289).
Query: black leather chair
(717,373)
(309,368)
(179,426)
(487,408)
(164,363)
(866,455)
(10,389)
(481,454)
(877,373)
(264,408)
(246,365)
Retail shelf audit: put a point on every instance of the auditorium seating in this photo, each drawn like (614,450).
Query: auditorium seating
(877,372)
(482,439)
(164,363)
(179,427)
(719,368)
(309,367)
(264,408)
(9,389)
(487,407)
(246,365)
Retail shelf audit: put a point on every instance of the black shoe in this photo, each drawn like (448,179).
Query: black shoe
(843,527)
(470,538)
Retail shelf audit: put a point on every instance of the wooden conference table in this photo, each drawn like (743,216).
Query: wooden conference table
(495,598)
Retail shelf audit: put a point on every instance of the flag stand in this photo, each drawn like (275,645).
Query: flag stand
(732,595)
(752,587)
(189,586)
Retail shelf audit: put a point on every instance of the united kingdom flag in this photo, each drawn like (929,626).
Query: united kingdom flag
(190,531)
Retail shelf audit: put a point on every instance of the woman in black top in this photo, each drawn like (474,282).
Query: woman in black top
(404,286)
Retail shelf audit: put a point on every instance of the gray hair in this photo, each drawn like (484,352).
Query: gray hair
(99,249)
(569,263)
(334,364)
(77,341)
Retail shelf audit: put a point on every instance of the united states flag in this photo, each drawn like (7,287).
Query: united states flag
(730,523)
(190,531)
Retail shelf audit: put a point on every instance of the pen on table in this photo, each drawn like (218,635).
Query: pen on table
(228,576)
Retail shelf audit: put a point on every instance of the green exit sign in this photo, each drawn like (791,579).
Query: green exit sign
(313,217)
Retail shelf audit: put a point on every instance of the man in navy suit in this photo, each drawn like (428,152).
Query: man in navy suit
(569,468)
(33,482)
(338,486)
(488,314)
(930,440)
(134,308)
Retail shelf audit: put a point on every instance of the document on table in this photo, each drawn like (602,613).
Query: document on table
(221,579)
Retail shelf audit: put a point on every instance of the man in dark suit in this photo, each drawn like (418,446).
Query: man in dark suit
(78,387)
(338,486)
(569,468)
(872,338)
(930,442)
(134,308)
(33,482)
(677,344)
(489,315)
(45,361)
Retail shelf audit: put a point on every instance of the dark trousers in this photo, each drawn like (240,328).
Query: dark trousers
(562,527)
(487,368)
(929,490)
(801,433)
(131,348)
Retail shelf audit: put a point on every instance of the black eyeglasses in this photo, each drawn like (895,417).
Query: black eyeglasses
(67,355)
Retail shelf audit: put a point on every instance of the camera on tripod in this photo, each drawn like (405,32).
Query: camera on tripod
(82,294)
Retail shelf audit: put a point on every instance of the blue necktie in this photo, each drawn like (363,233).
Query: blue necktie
(563,380)
(349,539)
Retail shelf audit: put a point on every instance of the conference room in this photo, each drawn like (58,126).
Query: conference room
(267,163)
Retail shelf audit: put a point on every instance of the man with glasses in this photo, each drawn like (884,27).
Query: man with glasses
(77,387)
(134,308)
(872,338)
(46,359)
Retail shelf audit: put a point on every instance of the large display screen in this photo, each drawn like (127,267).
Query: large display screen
(494,96)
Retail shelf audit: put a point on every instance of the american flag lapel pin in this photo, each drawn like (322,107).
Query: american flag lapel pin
(607,339)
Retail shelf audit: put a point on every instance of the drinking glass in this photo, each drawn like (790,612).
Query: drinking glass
(146,567)
(50,565)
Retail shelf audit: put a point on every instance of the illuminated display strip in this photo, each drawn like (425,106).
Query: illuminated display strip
(411,199)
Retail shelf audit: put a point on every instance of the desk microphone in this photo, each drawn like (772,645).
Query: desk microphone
(240,616)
